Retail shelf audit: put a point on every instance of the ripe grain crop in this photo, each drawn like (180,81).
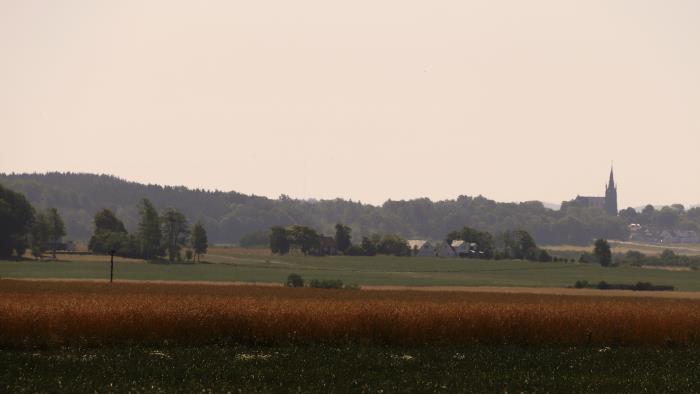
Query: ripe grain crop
(34,313)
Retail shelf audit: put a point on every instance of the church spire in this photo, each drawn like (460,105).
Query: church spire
(611,194)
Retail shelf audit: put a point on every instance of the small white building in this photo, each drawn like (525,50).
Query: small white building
(421,248)
(442,249)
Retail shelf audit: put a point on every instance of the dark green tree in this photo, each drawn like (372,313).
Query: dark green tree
(106,220)
(39,235)
(110,234)
(647,215)
(393,245)
(544,256)
(199,240)
(294,280)
(629,215)
(149,232)
(175,232)
(668,256)
(56,228)
(635,256)
(279,240)
(342,237)
(16,218)
(522,245)
(601,250)
(667,217)
(306,238)
(368,246)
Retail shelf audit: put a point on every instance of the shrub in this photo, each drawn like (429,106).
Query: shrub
(355,250)
(581,284)
(543,256)
(587,258)
(326,284)
(294,280)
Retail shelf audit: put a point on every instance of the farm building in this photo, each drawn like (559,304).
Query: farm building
(442,249)
(463,249)
(421,248)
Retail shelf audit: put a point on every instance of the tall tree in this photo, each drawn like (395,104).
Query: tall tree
(393,245)
(279,240)
(369,247)
(601,250)
(199,240)
(342,237)
(149,235)
(56,228)
(16,218)
(175,232)
(106,220)
(306,238)
(110,233)
(40,234)
(523,245)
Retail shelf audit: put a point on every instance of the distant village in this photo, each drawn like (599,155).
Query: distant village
(638,232)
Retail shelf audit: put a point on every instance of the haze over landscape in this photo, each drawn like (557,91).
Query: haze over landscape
(369,100)
(364,196)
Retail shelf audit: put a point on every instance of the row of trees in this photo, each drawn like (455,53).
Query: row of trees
(228,216)
(22,226)
(157,235)
(518,244)
(669,217)
(309,241)
(511,244)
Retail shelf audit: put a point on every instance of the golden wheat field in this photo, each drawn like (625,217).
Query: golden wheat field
(36,313)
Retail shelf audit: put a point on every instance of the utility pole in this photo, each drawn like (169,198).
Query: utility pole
(111,266)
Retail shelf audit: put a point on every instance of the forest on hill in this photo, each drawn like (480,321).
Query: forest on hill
(228,216)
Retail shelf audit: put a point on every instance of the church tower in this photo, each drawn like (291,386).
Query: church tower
(611,195)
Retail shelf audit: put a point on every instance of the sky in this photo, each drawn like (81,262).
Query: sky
(363,100)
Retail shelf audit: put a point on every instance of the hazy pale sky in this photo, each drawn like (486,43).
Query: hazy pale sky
(369,100)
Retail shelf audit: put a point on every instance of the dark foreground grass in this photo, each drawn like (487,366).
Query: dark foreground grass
(350,368)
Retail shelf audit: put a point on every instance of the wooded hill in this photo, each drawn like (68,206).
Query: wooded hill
(228,216)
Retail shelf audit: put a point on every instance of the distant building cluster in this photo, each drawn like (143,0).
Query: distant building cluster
(645,234)
(457,248)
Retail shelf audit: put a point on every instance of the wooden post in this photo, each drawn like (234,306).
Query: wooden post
(111,266)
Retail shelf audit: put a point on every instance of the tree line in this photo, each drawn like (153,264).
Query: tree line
(157,236)
(22,227)
(230,216)
(308,241)
(517,244)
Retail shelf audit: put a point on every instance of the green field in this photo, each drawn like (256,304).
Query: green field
(625,246)
(254,266)
(349,368)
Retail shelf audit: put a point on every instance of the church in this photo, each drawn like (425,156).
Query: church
(608,203)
